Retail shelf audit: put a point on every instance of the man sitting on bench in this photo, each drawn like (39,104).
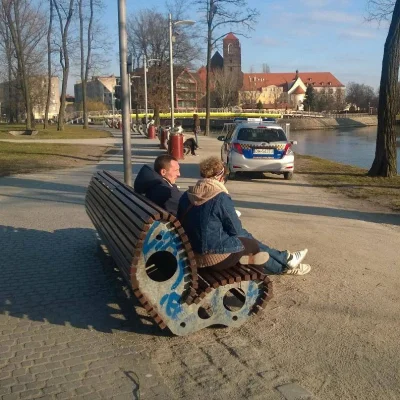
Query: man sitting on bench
(159,186)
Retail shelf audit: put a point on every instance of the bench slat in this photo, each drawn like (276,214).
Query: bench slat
(230,278)
(127,200)
(119,207)
(120,251)
(209,278)
(143,209)
(122,263)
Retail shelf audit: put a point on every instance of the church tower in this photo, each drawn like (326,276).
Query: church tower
(233,58)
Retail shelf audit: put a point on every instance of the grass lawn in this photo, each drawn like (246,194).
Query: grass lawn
(19,158)
(349,180)
(69,132)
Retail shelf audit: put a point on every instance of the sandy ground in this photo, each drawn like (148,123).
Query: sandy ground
(334,332)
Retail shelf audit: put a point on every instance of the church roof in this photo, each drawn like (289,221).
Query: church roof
(316,79)
(230,36)
(298,90)
(217,61)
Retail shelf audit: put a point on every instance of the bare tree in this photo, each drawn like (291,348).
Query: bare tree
(380,9)
(94,46)
(49,51)
(65,11)
(148,35)
(85,61)
(265,68)
(385,162)
(217,14)
(7,62)
(250,96)
(360,95)
(25,22)
(224,84)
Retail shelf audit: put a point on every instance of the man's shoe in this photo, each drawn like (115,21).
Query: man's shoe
(296,258)
(254,259)
(301,269)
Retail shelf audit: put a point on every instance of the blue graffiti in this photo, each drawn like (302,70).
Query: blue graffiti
(169,241)
(173,304)
(252,291)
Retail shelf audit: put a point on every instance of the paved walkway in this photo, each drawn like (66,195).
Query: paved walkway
(69,329)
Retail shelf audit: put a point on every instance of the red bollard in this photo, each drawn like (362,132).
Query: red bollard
(175,146)
(163,139)
(151,132)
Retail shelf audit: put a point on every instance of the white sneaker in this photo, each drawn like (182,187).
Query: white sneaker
(254,259)
(296,258)
(300,269)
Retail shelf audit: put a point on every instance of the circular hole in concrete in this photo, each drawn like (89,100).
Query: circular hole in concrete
(205,312)
(183,324)
(161,266)
(159,237)
(234,299)
(235,318)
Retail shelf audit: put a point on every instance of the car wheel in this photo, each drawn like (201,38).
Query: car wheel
(232,175)
(288,175)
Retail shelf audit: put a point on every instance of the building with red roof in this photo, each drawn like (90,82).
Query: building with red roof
(273,89)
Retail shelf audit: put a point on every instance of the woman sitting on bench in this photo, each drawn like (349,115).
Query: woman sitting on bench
(207,214)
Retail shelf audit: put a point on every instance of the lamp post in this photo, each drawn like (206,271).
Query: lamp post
(126,129)
(171,61)
(145,62)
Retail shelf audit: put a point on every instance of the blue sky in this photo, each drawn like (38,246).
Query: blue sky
(308,35)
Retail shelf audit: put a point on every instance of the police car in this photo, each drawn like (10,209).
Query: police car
(257,146)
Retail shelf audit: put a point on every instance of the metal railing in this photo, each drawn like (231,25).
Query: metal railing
(78,115)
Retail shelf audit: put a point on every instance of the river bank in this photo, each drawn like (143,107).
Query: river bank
(298,124)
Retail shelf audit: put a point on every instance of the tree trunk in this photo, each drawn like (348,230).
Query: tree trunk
(14,24)
(156,115)
(385,162)
(61,113)
(11,99)
(46,113)
(64,58)
(208,79)
(83,81)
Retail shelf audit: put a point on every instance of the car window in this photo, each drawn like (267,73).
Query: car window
(230,131)
(261,135)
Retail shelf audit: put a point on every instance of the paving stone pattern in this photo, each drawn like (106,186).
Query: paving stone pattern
(58,310)
(70,329)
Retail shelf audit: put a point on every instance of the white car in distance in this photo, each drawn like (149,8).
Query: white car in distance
(257,147)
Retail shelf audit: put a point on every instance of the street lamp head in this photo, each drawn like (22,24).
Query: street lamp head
(184,22)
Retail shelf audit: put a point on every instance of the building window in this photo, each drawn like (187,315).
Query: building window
(231,69)
(230,48)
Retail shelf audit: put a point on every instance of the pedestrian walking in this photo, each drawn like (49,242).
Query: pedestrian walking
(196,128)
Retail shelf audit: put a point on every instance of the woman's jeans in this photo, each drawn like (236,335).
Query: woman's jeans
(277,259)
(251,246)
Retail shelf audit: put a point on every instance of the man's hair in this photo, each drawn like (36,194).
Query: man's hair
(163,162)
(210,167)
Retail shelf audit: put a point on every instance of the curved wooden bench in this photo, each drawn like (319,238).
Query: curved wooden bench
(154,255)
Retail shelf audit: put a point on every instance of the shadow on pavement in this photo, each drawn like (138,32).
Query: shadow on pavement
(61,277)
(380,218)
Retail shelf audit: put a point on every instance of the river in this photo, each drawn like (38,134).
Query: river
(351,146)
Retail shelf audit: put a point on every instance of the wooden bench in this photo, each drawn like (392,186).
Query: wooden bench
(154,255)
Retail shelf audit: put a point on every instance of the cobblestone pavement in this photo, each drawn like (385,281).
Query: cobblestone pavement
(69,328)
(64,310)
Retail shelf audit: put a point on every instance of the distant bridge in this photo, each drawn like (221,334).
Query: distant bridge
(216,113)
